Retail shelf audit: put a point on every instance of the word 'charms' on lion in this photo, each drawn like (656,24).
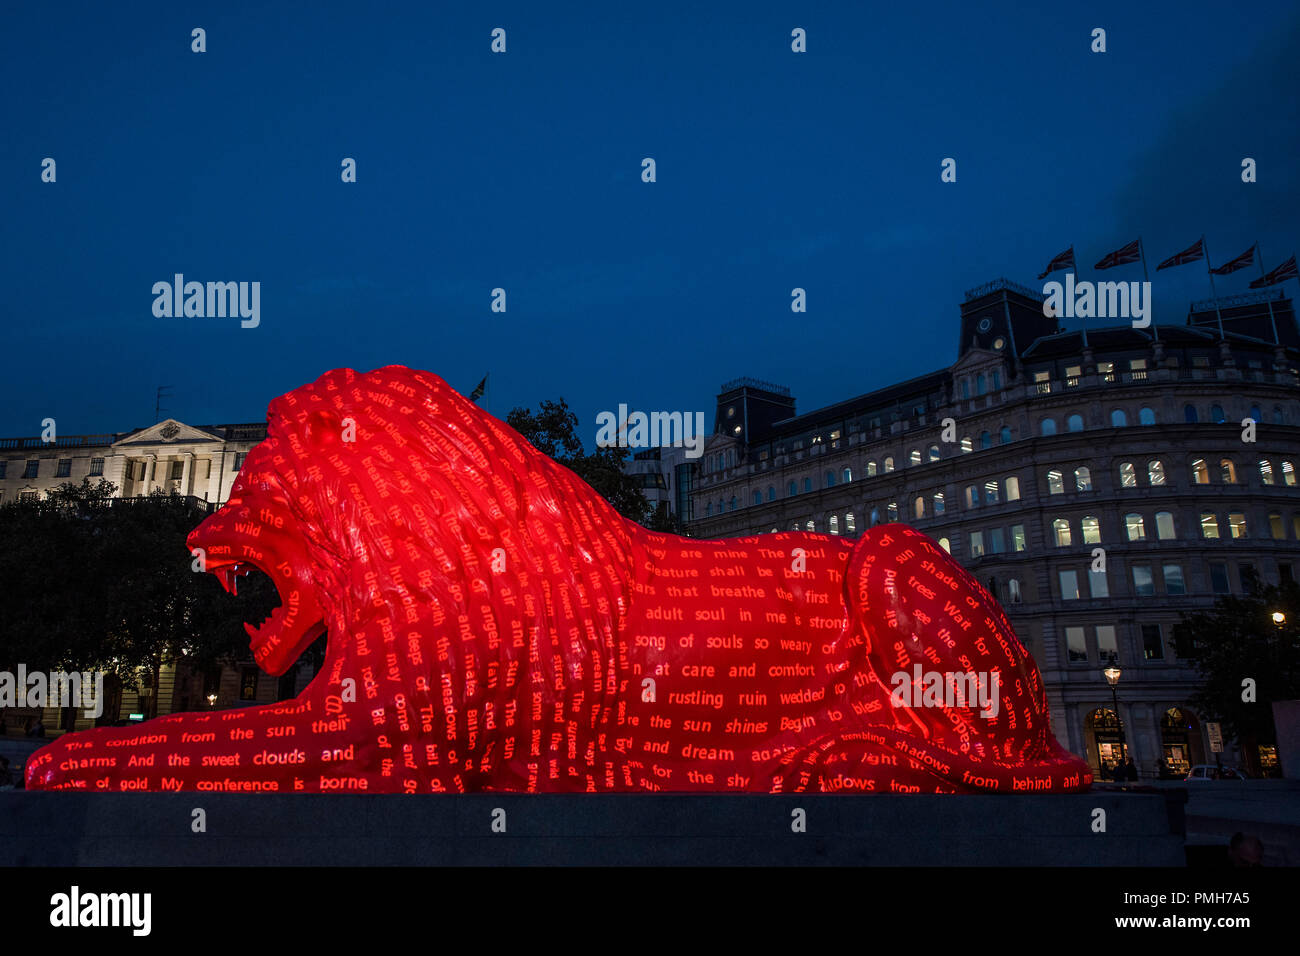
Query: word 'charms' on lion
(493,624)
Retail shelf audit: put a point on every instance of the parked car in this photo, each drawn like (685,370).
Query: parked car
(1208,771)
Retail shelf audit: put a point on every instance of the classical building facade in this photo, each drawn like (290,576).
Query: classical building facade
(197,461)
(1097,482)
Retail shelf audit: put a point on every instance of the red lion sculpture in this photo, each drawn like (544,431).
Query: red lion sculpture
(494,625)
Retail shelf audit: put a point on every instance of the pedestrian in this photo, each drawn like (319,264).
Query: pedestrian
(1130,770)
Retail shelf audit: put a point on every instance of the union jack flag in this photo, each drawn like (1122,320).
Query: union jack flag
(1232,265)
(1130,253)
(1193,252)
(1283,272)
(1062,260)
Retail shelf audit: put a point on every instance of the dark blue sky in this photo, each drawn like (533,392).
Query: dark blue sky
(522,170)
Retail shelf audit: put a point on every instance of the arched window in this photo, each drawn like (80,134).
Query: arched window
(722,506)
(731,505)
(1288,474)
(1155,472)
(1118,419)
(938,502)
(850,523)
(1013,488)
(945,544)
(834,527)
(871,469)
(771,493)
(1165,526)
(934,452)
(979,383)
(830,479)
(991,492)
(1209,524)
(1277,415)
(1256,414)
(1266,472)
(758,497)
(1146,416)
(918,507)
(967,445)
(1127,475)
(1013,591)
(1074,423)
(1004,435)
(986,440)
(848,475)
(708,509)
(1216,414)
(915,457)
(1275,526)
(889,464)
(997,380)
(1227,471)
(972,496)
(892,511)
(875,517)
(965,388)
(1061,532)
(1047,427)
(811,525)
(1200,472)
(807,485)
(794,489)
(1237,524)
(1135,527)
(1055,482)
(1189,414)
(1082,479)
(1091,528)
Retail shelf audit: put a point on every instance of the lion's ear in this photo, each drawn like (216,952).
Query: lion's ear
(324,429)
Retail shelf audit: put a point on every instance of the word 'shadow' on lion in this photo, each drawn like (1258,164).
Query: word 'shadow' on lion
(598,657)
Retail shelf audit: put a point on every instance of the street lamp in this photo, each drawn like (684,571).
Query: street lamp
(212,700)
(1113,672)
(1279,618)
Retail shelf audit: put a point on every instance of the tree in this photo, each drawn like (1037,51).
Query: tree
(1237,641)
(553,430)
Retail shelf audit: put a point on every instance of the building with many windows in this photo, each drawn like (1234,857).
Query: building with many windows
(1097,482)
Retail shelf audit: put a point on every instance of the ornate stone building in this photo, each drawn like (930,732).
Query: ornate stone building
(1036,448)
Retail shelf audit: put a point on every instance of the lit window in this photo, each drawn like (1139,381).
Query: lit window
(892,510)
(1209,524)
(850,523)
(1091,527)
(1165,526)
(1013,488)
(991,493)
(889,463)
(835,524)
(1055,482)
(1200,472)
(1237,524)
(977,544)
(945,544)
(938,502)
(1227,471)
(1127,475)
(915,457)
(1134,527)
(1013,591)
(967,445)
(848,475)
(1061,532)
(972,496)
(1266,471)
(1082,479)
(918,506)
(871,469)
(811,526)
(1017,537)
(1155,472)
(934,452)
(1275,526)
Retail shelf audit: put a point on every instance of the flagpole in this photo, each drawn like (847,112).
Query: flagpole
(1155,329)
(1272,321)
(1208,271)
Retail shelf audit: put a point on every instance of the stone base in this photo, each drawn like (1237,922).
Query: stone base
(78,829)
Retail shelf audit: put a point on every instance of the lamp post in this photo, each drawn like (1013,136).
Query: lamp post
(1112,672)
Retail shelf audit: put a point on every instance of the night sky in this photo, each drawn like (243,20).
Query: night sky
(523,170)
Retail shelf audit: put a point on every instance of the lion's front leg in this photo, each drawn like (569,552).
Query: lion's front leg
(295,746)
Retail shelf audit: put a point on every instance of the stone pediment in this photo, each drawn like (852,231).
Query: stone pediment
(167,432)
(975,359)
